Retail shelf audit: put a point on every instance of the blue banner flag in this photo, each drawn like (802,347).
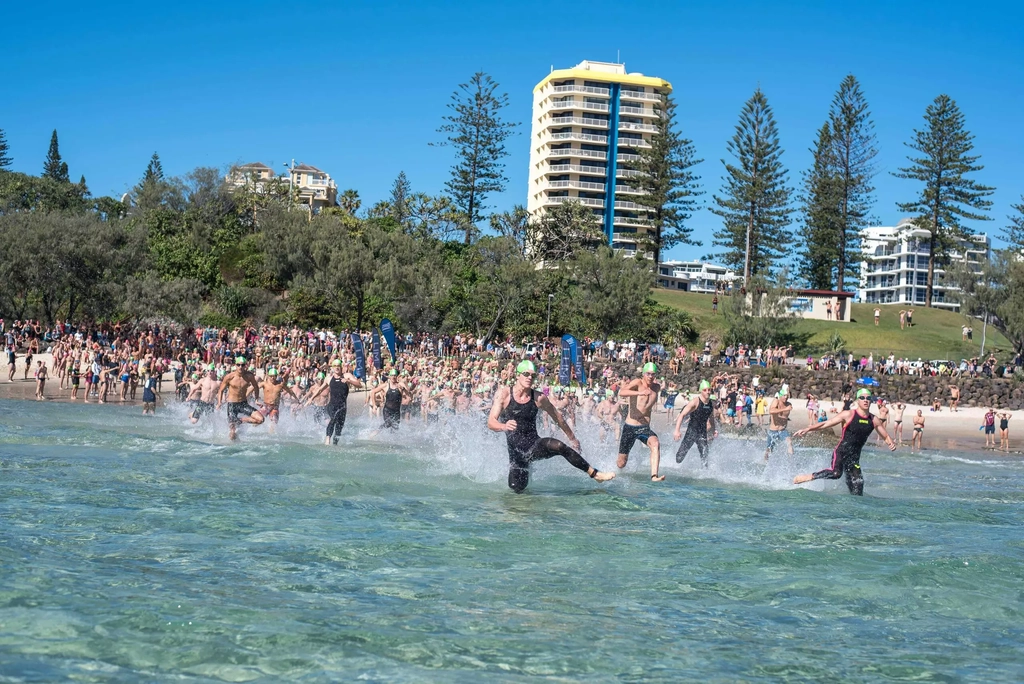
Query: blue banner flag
(577,359)
(378,363)
(357,347)
(565,367)
(388,331)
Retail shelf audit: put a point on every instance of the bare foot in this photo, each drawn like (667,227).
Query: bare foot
(800,479)
(657,478)
(603,477)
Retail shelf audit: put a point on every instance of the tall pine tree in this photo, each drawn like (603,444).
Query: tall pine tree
(5,160)
(1014,233)
(668,184)
(478,133)
(53,167)
(822,216)
(854,152)
(401,189)
(154,170)
(948,195)
(754,205)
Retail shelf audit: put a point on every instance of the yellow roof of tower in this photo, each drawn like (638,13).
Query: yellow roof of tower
(583,70)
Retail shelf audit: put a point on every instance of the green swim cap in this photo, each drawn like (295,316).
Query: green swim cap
(526,366)
(392,373)
(704,384)
(320,376)
(863,393)
(271,372)
(335,362)
(650,367)
(211,367)
(239,360)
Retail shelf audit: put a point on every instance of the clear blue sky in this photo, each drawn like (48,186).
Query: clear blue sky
(358,88)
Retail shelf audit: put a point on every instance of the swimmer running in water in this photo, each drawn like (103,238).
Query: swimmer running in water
(237,384)
(703,415)
(858,424)
(273,389)
(514,412)
(641,395)
(337,405)
(393,395)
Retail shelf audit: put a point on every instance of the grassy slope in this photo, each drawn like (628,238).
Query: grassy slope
(935,335)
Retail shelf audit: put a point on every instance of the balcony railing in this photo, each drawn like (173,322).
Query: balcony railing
(589,90)
(587,201)
(573,168)
(626,173)
(624,221)
(584,185)
(634,95)
(569,120)
(633,142)
(626,109)
(586,137)
(568,152)
(627,157)
(627,126)
(627,190)
(626,204)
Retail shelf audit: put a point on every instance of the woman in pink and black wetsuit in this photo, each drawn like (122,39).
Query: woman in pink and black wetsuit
(858,424)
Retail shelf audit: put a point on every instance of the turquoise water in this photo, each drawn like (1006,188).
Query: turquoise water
(147,549)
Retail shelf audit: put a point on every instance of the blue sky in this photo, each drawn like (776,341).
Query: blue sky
(358,89)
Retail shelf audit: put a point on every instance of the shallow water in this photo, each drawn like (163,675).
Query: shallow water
(147,549)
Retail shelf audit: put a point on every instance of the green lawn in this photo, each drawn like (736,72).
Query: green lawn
(935,335)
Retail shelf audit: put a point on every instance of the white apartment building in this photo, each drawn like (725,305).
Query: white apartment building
(895,270)
(310,186)
(588,124)
(694,276)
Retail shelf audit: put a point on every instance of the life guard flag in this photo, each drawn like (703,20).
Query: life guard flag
(577,358)
(357,347)
(565,367)
(378,363)
(388,331)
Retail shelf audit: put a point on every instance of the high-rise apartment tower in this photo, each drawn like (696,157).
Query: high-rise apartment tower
(589,123)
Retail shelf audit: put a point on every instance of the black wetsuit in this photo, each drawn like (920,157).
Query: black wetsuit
(392,409)
(526,446)
(847,454)
(697,432)
(337,407)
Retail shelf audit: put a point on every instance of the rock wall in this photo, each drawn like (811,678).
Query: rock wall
(998,393)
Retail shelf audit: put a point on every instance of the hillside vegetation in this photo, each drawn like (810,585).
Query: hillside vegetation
(936,334)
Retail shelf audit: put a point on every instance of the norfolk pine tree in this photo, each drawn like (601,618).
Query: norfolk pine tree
(822,197)
(668,184)
(5,161)
(1014,233)
(948,196)
(854,152)
(154,170)
(53,167)
(755,198)
(477,132)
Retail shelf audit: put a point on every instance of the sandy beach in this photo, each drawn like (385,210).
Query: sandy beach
(957,431)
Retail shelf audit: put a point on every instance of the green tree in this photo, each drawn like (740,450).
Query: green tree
(154,170)
(853,153)
(754,205)
(761,316)
(668,183)
(1014,233)
(478,133)
(610,291)
(995,293)
(55,168)
(505,281)
(562,231)
(948,196)
(350,202)
(822,217)
(5,160)
(516,225)
(401,189)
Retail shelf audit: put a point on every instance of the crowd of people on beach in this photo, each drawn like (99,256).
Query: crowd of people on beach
(260,373)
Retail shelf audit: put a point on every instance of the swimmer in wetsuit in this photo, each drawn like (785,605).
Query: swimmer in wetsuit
(337,405)
(514,412)
(394,394)
(702,414)
(858,424)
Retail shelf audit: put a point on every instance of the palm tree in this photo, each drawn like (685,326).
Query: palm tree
(350,202)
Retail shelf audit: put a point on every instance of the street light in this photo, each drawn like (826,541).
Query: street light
(551,298)
(291,183)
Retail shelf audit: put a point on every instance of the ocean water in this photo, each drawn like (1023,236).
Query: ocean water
(145,549)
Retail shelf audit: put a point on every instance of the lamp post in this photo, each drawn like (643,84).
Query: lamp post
(291,183)
(551,298)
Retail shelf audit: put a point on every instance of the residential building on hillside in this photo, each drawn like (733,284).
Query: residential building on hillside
(310,186)
(895,266)
(588,124)
(694,276)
